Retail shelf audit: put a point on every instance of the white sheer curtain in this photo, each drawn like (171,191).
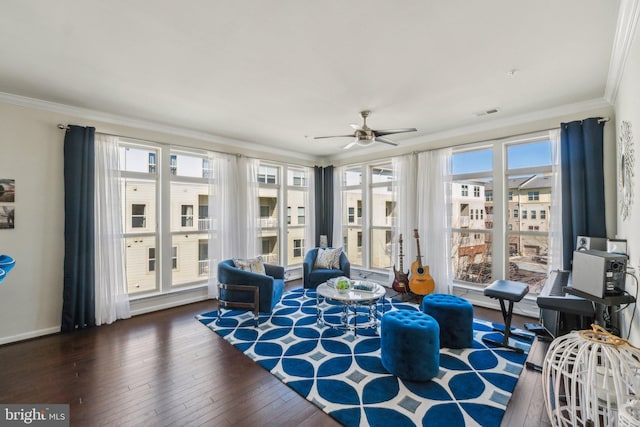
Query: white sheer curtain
(249,207)
(404,197)
(555,222)
(224,226)
(338,186)
(111,297)
(434,214)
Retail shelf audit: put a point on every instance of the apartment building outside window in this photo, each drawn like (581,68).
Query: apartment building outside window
(187,216)
(138,216)
(525,174)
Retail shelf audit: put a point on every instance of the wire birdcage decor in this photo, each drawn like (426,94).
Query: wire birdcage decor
(589,377)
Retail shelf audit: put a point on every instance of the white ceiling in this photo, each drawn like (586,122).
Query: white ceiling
(278,72)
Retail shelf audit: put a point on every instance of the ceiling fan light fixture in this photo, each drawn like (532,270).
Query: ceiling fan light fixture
(365,142)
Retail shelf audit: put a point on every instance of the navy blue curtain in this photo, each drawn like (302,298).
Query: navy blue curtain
(328,204)
(582,173)
(319,204)
(323,190)
(78,307)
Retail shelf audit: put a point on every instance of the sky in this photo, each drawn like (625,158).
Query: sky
(518,156)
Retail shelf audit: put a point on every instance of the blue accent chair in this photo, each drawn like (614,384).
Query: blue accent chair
(312,278)
(242,289)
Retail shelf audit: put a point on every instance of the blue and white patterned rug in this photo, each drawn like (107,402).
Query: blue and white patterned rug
(343,375)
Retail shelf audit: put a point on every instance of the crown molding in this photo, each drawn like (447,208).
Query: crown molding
(114,119)
(625,30)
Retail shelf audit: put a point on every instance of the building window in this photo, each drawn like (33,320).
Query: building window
(388,208)
(533,195)
(351,217)
(187,216)
(264,211)
(515,213)
(476,191)
(207,172)
(138,216)
(300,215)
(465,190)
(151,259)
(359,242)
(288,215)
(203,257)
(533,214)
(298,247)
(543,214)
(488,196)
(299,179)
(174,257)
(152,163)
(510,195)
(173,164)
(267,174)
(524,214)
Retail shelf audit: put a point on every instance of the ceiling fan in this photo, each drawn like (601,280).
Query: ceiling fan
(365,136)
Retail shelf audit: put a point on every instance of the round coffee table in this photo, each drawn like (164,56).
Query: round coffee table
(349,302)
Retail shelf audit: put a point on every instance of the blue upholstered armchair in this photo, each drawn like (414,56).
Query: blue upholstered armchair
(313,277)
(242,289)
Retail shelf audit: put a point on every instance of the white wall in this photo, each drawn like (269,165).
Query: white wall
(31,153)
(628,109)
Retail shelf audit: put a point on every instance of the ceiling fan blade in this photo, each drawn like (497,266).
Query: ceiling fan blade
(386,140)
(351,144)
(392,131)
(334,136)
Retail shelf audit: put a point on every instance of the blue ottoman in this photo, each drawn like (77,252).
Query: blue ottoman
(455,317)
(410,345)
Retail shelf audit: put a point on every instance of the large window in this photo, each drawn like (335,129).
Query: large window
(139,182)
(190,222)
(516,248)
(269,202)
(368,214)
(352,182)
(171,248)
(297,194)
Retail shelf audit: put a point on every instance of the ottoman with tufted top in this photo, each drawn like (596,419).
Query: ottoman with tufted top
(455,317)
(410,345)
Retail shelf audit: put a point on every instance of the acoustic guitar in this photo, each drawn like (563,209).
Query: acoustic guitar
(420,283)
(401,279)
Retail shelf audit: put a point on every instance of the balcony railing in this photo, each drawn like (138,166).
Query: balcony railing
(205,224)
(270,258)
(267,222)
(203,267)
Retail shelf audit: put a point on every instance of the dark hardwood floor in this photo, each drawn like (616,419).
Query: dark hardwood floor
(165,368)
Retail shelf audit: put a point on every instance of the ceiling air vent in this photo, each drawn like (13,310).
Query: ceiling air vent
(487,112)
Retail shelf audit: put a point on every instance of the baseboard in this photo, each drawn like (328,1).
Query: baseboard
(162,302)
(29,335)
